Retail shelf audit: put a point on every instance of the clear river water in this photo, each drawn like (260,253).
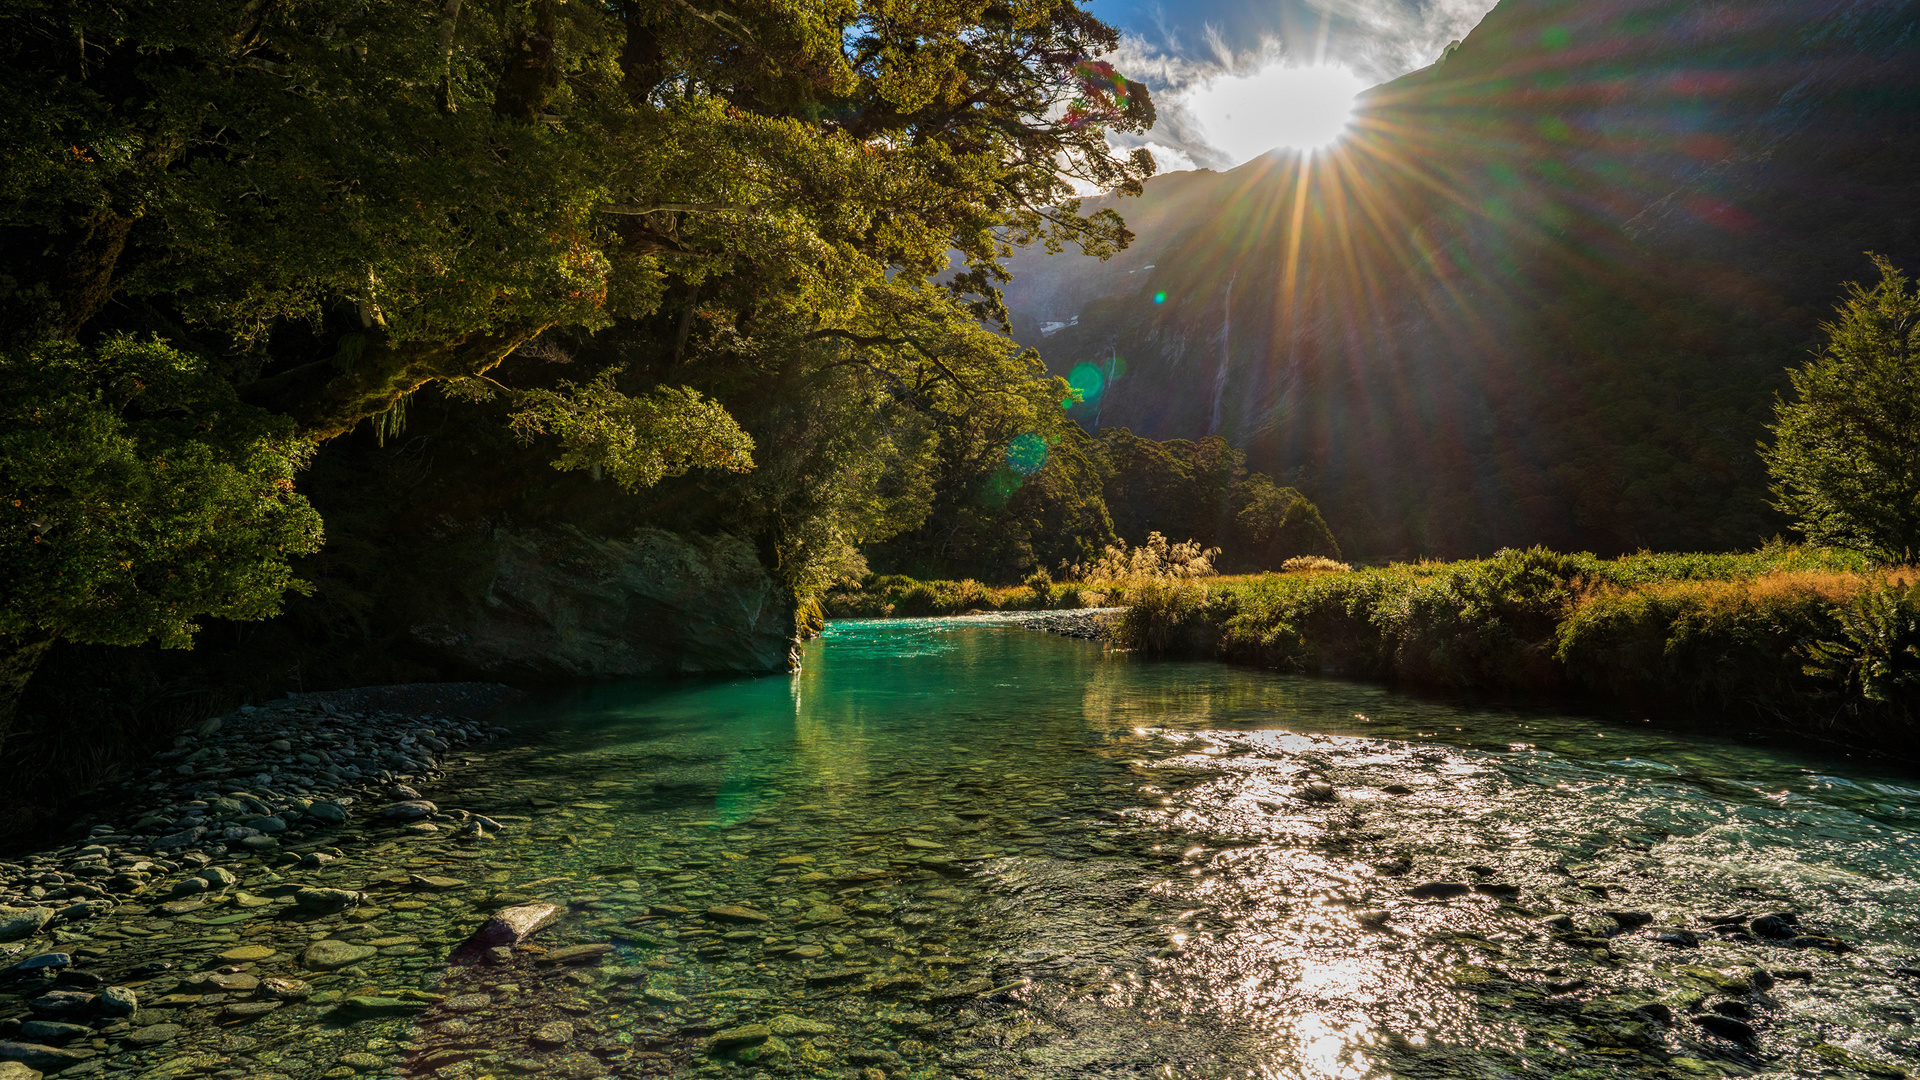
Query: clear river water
(987,851)
(956,849)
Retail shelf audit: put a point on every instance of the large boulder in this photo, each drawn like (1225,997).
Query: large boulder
(560,603)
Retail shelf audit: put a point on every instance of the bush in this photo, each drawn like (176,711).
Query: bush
(1785,632)
(1313,564)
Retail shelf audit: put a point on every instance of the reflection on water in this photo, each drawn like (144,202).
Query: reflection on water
(981,851)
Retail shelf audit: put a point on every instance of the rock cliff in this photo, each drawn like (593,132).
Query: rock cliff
(565,604)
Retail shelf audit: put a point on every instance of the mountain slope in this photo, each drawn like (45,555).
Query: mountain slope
(1544,292)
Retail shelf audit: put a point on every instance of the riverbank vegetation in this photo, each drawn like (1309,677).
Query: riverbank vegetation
(1796,635)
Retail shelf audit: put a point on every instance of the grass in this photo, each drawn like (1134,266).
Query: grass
(1785,634)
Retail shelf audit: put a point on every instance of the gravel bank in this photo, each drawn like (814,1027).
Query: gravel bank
(247,796)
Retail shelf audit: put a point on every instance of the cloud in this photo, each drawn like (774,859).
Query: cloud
(1177,51)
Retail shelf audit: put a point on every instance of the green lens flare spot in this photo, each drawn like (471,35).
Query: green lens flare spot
(1159,298)
(1027,454)
(1088,380)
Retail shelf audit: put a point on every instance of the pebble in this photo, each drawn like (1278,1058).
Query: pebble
(744,1035)
(53,1031)
(16,923)
(154,1034)
(118,1001)
(553,1035)
(13,1070)
(44,960)
(328,954)
(38,1056)
(735,913)
(247,952)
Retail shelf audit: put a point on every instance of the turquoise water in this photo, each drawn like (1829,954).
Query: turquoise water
(975,850)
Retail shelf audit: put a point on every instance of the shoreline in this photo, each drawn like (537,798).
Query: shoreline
(248,783)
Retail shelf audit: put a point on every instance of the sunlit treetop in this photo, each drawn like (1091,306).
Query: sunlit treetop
(360,197)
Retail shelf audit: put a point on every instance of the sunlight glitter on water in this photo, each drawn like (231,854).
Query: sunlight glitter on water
(992,852)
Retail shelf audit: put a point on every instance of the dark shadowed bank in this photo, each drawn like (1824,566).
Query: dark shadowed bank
(1789,639)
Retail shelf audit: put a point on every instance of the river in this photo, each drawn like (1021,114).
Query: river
(957,848)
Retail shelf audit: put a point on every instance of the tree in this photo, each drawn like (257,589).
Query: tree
(348,201)
(140,495)
(1846,452)
(1276,524)
(363,201)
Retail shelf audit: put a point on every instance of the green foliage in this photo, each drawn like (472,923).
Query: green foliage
(412,198)
(1875,657)
(1846,453)
(1162,613)
(634,441)
(1678,634)
(141,496)
(992,521)
(1278,524)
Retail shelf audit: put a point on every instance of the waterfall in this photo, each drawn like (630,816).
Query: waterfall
(1226,342)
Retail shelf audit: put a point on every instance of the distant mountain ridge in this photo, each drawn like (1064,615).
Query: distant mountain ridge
(1544,292)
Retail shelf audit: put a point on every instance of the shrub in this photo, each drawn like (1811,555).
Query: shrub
(1313,564)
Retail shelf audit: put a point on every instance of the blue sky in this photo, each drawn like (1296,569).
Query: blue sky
(1176,48)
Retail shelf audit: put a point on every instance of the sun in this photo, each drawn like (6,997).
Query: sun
(1277,107)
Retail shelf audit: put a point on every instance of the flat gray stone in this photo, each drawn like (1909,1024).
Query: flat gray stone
(62,1001)
(154,1034)
(315,899)
(53,1031)
(16,923)
(37,1056)
(409,810)
(508,927)
(576,954)
(735,913)
(744,1035)
(44,960)
(329,954)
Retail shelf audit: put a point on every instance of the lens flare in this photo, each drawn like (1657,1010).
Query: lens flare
(1027,454)
(1088,380)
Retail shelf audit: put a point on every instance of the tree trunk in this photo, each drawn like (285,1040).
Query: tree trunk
(19,658)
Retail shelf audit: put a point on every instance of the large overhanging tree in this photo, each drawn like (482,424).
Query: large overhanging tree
(336,203)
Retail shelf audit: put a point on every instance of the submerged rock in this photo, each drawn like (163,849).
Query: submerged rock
(38,1056)
(508,927)
(329,954)
(1439,890)
(553,1036)
(1728,1028)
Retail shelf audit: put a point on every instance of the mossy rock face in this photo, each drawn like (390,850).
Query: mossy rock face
(565,603)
